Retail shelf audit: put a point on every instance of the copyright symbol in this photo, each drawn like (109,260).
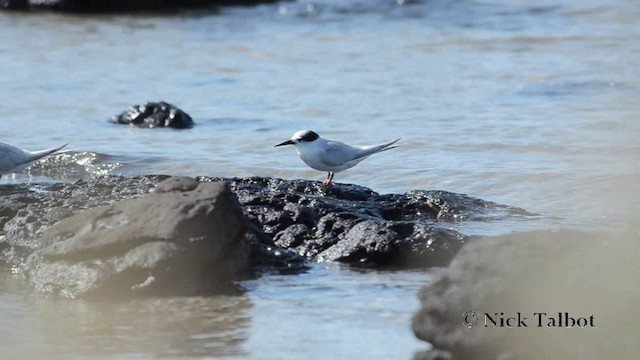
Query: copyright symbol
(470,319)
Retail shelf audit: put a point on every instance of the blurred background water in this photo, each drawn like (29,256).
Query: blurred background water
(530,104)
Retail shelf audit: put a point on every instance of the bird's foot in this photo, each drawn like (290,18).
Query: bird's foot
(329,178)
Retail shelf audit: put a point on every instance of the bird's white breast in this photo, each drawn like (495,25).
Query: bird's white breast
(313,160)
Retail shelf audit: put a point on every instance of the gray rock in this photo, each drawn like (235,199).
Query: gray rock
(583,274)
(27,211)
(434,354)
(187,238)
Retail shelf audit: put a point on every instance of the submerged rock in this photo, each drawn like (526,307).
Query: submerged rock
(155,114)
(185,238)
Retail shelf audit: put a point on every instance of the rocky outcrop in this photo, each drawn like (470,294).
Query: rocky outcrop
(94,6)
(548,294)
(153,115)
(353,224)
(185,238)
(14,4)
(66,234)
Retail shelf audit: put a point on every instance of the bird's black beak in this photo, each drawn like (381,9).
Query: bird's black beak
(288,142)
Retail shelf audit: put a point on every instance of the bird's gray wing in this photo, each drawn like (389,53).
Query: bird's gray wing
(11,156)
(337,153)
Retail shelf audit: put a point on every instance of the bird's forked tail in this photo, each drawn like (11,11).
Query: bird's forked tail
(378,148)
(36,155)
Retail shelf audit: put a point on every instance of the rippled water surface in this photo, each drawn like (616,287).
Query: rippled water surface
(531,104)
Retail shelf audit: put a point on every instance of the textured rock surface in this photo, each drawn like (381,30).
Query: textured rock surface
(183,239)
(535,272)
(354,224)
(27,211)
(155,114)
(290,221)
(119,5)
(14,4)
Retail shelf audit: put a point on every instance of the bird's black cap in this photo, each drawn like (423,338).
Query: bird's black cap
(301,136)
(308,136)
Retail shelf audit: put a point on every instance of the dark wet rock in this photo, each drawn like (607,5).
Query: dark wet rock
(155,114)
(185,238)
(293,236)
(353,224)
(14,4)
(94,6)
(549,272)
(266,256)
(289,221)
(368,241)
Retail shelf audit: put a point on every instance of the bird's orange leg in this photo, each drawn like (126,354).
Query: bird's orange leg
(329,178)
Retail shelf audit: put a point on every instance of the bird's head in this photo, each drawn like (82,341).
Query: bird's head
(301,137)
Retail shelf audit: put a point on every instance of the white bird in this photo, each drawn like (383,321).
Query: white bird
(330,155)
(11,157)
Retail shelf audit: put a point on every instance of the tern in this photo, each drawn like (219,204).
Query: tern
(11,157)
(330,155)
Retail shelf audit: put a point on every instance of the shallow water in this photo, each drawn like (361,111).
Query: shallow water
(534,106)
(329,309)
